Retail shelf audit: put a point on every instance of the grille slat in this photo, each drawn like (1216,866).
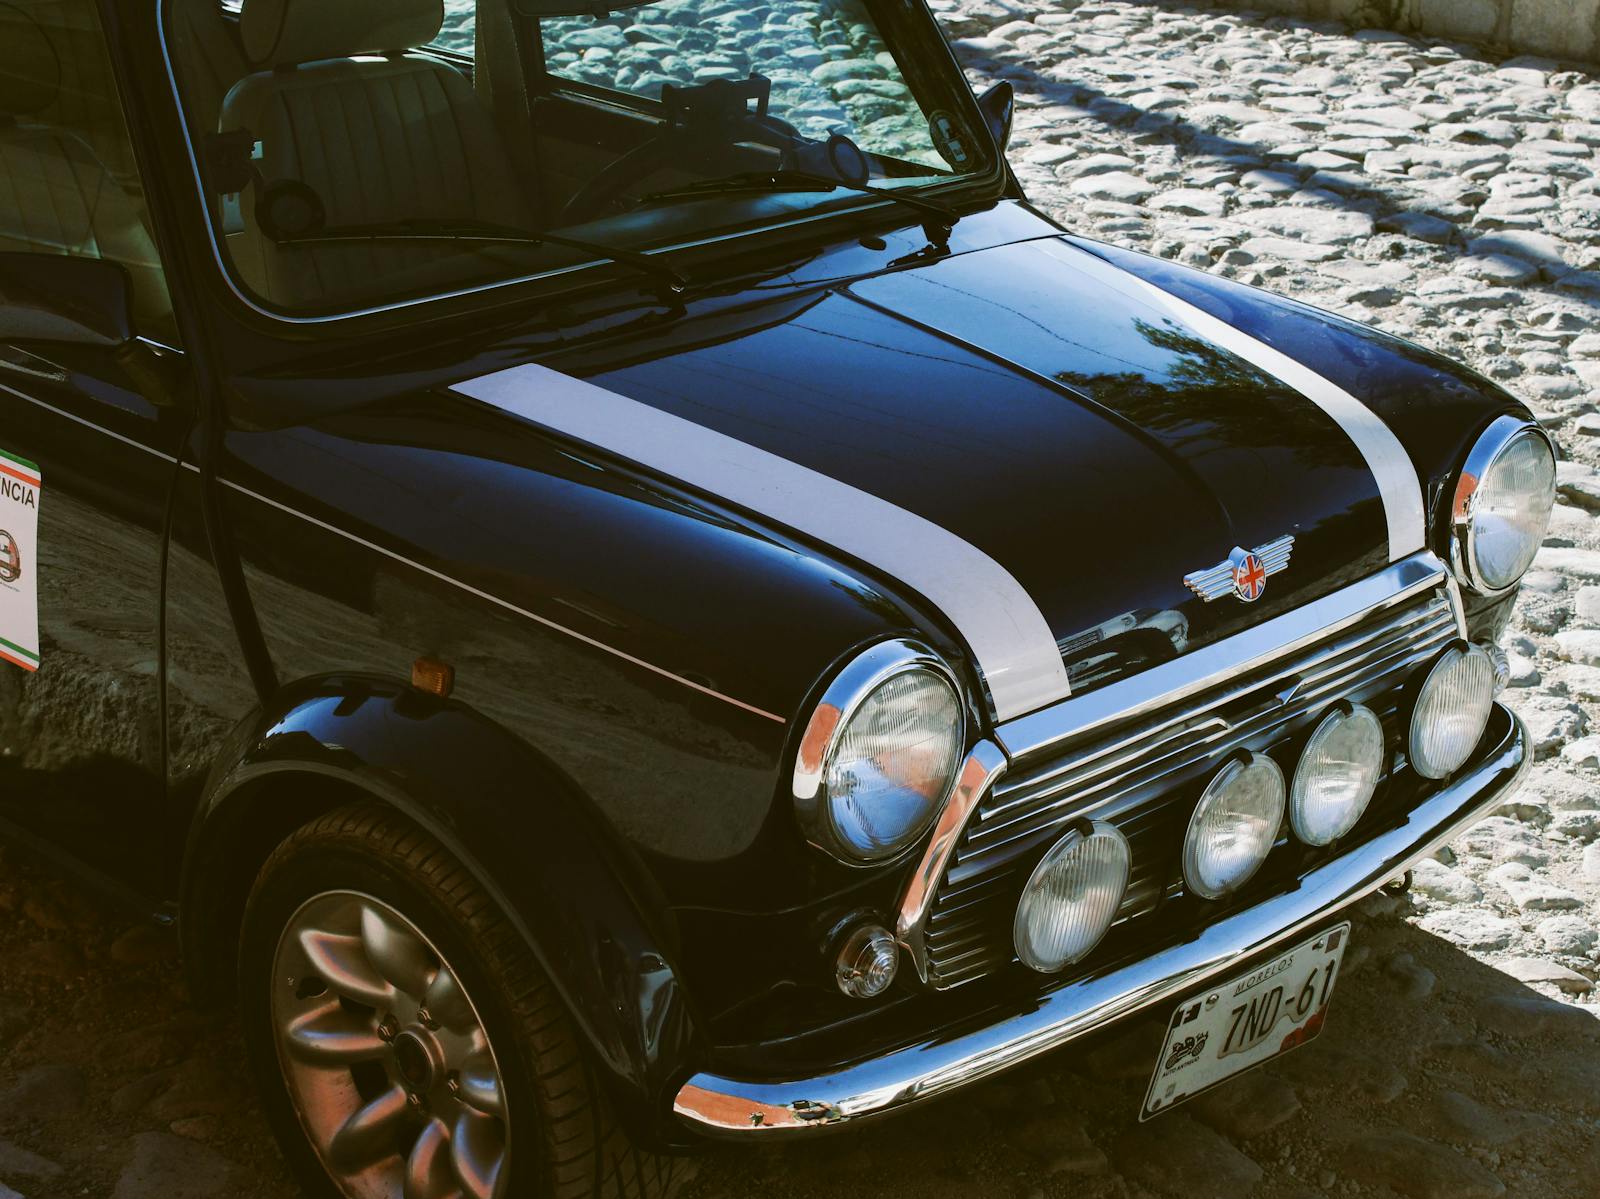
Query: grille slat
(1168,769)
(1022,790)
(1140,776)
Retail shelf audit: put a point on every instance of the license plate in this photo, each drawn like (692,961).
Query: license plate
(1276,1007)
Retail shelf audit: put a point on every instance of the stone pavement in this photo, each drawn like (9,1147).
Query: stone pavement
(1442,194)
(1434,192)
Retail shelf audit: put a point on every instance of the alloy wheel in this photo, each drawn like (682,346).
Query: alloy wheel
(387,1061)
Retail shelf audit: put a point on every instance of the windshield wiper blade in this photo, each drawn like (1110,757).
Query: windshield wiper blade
(488,231)
(938,221)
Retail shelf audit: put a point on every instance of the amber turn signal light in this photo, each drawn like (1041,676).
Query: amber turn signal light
(433,676)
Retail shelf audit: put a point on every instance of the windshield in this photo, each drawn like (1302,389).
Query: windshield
(356,154)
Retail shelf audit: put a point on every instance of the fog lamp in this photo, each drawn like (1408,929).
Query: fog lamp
(1451,711)
(1337,775)
(868,960)
(1234,826)
(1072,897)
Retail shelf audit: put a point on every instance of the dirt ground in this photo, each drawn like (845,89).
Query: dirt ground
(1438,1076)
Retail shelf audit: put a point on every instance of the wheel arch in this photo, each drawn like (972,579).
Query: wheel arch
(585,906)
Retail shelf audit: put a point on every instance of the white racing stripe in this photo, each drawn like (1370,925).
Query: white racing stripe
(1007,634)
(1386,458)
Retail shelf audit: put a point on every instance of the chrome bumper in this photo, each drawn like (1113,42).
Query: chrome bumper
(724,1107)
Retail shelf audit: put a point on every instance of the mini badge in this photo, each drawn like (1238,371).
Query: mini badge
(19,561)
(1249,576)
(1244,575)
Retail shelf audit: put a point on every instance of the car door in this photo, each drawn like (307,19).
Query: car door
(86,467)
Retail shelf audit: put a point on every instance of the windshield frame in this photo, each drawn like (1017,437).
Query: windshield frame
(987,184)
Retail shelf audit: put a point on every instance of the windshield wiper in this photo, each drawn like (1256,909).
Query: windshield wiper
(938,221)
(488,231)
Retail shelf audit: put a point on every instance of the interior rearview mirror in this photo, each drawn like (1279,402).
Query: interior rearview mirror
(999,108)
(66,301)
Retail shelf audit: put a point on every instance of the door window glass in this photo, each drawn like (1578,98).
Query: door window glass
(459,27)
(68,183)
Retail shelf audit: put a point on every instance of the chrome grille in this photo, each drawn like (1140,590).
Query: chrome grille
(1137,774)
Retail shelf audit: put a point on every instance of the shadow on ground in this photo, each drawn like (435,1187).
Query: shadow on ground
(1437,1076)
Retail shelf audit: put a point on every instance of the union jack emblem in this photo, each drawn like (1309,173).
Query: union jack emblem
(1244,574)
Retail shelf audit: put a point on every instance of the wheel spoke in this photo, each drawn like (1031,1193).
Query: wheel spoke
(342,962)
(332,1036)
(480,1085)
(448,1004)
(360,995)
(428,1173)
(395,953)
(478,1149)
(372,1133)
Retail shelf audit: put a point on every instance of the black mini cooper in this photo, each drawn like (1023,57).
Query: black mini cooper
(623,587)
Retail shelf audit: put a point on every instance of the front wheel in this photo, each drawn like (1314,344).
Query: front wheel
(407,1044)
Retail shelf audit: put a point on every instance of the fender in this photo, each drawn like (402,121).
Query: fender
(587,911)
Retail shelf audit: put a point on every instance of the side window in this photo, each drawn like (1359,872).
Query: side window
(460,18)
(68,183)
(457,34)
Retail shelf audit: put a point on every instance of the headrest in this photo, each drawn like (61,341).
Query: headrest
(282,33)
(30,71)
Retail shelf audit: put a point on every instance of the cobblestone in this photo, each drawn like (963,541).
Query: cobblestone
(1429,189)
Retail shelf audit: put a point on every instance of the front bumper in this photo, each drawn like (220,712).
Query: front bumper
(724,1107)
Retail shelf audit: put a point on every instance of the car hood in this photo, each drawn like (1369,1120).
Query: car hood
(1093,448)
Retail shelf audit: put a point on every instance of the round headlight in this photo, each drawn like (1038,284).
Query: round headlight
(1451,712)
(1337,774)
(879,753)
(1072,898)
(1502,505)
(1234,826)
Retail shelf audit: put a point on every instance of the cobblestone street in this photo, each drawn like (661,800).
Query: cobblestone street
(1436,191)
(1432,191)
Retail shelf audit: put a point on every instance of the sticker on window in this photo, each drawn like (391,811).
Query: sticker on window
(19,561)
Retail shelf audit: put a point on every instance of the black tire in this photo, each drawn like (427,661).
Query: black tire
(564,1142)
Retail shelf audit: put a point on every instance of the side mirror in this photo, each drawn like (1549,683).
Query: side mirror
(67,301)
(999,108)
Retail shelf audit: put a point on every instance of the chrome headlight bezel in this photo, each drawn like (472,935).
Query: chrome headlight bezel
(1486,452)
(830,718)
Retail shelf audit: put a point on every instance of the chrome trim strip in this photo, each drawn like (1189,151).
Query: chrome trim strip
(1173,681)
(427,570)
(978,773)
(1327,671)
(501,603)
(1458,604)
(1391,467)
(1491,443)
(715,1106)
(88,424)
(1011,641)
